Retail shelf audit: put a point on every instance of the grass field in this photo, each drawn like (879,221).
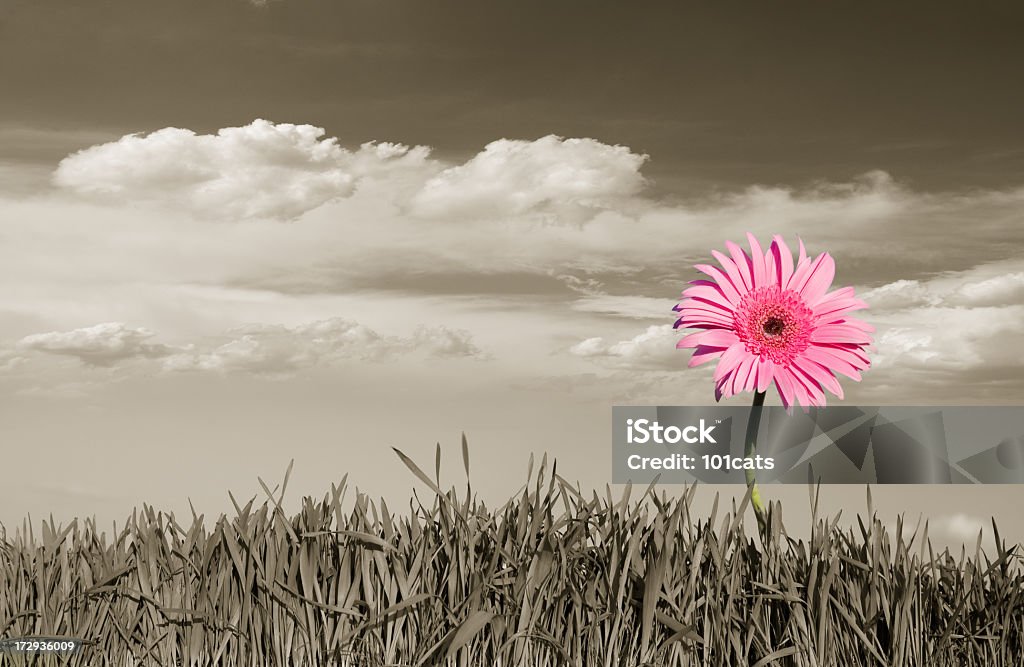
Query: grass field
(550,578)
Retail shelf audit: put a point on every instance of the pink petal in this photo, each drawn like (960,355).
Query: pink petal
(732,271)
(832,308)
(855,323)
(839,333)
(703,354)
(722,280)
(834,361)
(758,261)
(799,390)
(785,387)
(818,280)
(711,293)
(743,262)
(712,338)
(696,311)
(840,293)
(731,358)
(719,388)
(765,373)
(697,322)
(689,303)
(783,260)
(740,377)
(701,302)
(751,382)
(803,270)
(855,353)
(819,374)
(809,391)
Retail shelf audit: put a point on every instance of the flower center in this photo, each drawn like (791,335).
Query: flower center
(773,324)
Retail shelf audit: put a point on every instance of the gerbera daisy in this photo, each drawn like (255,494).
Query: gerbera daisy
(767,321)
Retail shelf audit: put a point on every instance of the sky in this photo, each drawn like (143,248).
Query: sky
(233,234)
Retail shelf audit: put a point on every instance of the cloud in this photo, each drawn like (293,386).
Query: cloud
(514,177)
(282,171)
(992,284)
(957,526)
(257,349)
(100,345)
(953,529)
(386,232)
(261,170)
(280,350)
(654,349)
(956,335)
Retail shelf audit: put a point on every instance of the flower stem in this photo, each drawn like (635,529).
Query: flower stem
(753,424)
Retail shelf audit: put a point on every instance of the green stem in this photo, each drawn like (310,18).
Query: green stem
(753,424)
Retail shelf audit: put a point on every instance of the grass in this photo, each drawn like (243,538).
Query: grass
(549,578)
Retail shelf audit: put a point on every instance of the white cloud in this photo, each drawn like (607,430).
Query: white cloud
(956,528)
(261,170)
(654,348)
(443,342)
(959,526)
(514,177)
(958,322)
(100,345)
(280,350)
(257,349)
(1002,290)
(387,228)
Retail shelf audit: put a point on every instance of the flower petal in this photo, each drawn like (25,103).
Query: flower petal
(731,358)
(839,333)
(819,374)
(732,271)
(765,373)
(803,271)
(720,388)
(757,260)
(799,390)
(703,354)
(783,258)
(813,371)
(740,377)
(785,388)
(739,255)
(722,280)
(809,392)
(712,338)
(837,303)
(832,359)
(818,279)
(710,292)
(855,323)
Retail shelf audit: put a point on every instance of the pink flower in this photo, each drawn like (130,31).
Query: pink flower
(766,321)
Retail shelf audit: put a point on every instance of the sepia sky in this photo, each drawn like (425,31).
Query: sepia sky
(235,233)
